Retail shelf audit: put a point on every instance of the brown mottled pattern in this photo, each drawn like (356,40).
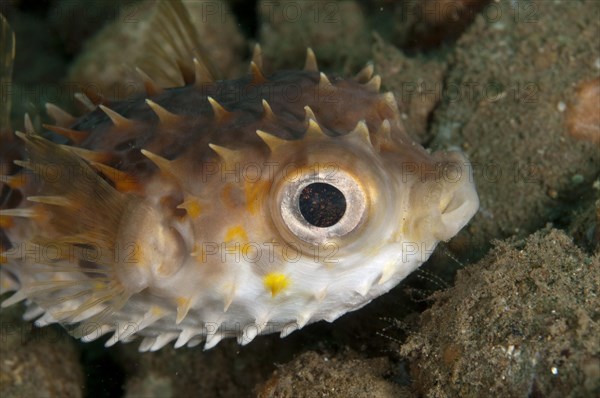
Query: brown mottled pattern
(165,238)
(287,93)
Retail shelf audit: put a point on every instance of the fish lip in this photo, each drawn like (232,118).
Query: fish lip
(464,200)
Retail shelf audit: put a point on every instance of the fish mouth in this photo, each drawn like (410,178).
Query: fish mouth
(458,201)
(442,199)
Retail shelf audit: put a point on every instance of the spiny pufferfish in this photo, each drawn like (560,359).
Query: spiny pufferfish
(222,208)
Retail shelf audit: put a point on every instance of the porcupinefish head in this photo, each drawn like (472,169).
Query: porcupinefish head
(193,214)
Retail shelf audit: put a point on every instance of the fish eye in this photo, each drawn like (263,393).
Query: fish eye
(322,204)
(317,207)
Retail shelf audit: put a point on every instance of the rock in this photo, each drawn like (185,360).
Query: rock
(416,82)
(324,375)
(508,75)
(524,321)
(103,69)
(37,362)
(336,31)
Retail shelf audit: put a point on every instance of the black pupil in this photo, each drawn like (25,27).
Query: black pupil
(322,205)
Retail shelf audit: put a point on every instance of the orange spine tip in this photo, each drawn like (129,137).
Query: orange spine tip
(122,181)
(192,206)
(151,87)
(6,222)
(14,181)
(74,135)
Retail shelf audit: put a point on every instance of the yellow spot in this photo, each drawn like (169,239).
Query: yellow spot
(254,191)
(6,222)
(136,256)
(275,282)
(156,311)
(182,301)
(192,207)
(127,185)
(123,181)
(15,181)
(183,306)
(199,254)
(99,286)
(164,269)
(236,233)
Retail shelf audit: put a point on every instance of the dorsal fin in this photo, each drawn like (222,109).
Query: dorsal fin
(173,42)
(257,55)
(149,84)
